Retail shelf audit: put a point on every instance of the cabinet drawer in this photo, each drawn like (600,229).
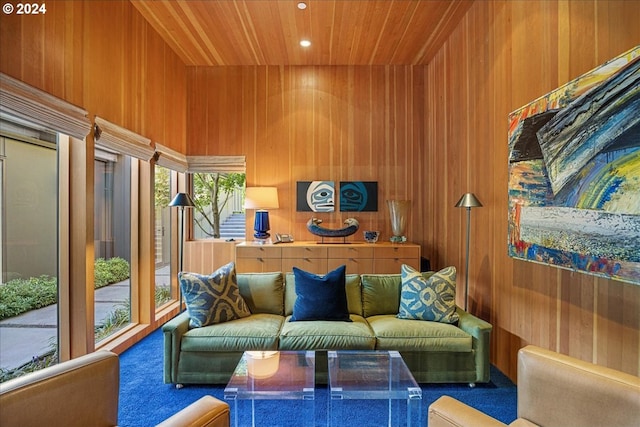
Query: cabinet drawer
(355,251)
(311,265)
(397,252)
(304,252)
(258,265)
(258,252)
(354,265)
(393,265)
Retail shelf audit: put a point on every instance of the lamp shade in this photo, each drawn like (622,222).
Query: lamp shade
(468,200)
(262,364)
(261,198)
(182,200)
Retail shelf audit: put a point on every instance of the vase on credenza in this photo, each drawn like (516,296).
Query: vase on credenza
(398,213)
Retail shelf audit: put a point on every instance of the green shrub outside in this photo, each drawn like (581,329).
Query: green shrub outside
(21,295)
(162,294)
(112,270)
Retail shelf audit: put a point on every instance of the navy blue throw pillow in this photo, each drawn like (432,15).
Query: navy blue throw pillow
(320,297)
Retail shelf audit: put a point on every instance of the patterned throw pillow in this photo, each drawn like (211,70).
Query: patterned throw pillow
(214,298)
(428,299)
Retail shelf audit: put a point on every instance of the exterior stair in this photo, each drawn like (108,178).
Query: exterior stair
(233,227)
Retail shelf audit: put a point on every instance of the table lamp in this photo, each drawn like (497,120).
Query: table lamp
(261,199)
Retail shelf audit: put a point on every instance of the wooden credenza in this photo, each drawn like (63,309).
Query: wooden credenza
(319,258)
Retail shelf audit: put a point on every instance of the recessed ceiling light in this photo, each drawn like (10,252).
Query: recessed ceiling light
(302,5)
(305,43)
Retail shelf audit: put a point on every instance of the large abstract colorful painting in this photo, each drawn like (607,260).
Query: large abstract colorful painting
(574,174)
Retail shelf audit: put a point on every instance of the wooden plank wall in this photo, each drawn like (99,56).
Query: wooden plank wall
(315,123)
(102,56)
(207,255)
(503,55)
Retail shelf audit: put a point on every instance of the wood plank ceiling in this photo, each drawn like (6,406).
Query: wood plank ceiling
(268,32)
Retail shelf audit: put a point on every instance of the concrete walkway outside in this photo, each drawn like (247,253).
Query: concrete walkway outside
(34,333)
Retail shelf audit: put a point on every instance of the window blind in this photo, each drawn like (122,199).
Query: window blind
(20,100)
(211,164)
(170,159)
(116,138)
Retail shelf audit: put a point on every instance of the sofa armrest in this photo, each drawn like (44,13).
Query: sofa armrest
(481,333)
(173,331)
(204,412)
(449,412)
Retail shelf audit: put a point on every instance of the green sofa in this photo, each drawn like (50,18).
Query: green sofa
(434,352)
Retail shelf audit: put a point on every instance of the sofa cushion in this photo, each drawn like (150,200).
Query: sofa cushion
(380,294)
(289,293)
(320,297)
(214,298)
(432,299)
(327,335)
(417,335)
(263,292)
(256,332)
(352,288)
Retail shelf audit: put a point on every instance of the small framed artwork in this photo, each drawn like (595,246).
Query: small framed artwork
(358,196)
(315,196)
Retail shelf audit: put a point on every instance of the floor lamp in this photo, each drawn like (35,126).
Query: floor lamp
(468,200)
(181,200)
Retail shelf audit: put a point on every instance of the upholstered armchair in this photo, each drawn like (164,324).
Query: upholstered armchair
(83,392)
(556,390)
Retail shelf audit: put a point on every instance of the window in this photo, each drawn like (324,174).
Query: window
(112,242)
(29,254)
(219,211)
(49,194)
(164,292)
(133,176)
(217,186)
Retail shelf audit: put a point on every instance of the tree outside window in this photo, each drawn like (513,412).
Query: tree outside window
(217,197)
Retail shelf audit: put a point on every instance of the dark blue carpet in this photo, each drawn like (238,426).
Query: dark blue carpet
(145,400)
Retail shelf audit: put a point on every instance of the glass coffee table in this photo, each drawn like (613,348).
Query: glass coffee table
(367,375)
(272,375)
